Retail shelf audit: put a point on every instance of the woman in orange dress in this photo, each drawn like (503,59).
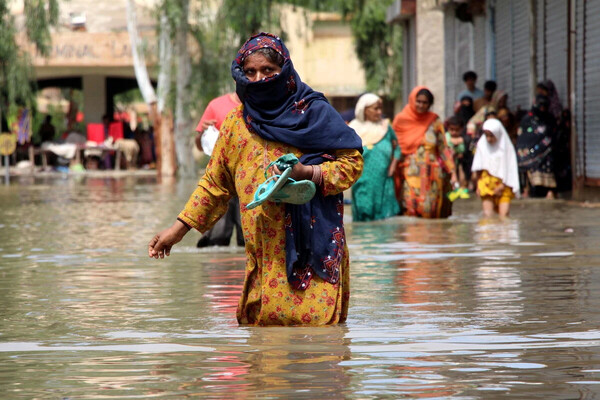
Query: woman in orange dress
(426,168)
(297,268)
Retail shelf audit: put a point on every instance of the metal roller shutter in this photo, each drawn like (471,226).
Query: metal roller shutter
(464,47)
(503,39)
(458,53)
(521,91)
(480,48)
(591,71)
(540,8)
(556,46)
(578,112)
(512,52)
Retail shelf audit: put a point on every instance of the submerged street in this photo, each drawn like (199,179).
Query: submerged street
(463,308)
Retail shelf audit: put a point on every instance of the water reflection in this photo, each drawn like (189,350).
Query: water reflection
(497,231)
(464,308)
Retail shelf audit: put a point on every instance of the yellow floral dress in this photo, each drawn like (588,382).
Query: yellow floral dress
(487,185)
(237,166)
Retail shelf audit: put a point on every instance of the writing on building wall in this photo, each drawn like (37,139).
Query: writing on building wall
(112,49)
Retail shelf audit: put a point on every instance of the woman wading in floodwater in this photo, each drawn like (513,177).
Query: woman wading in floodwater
(297,270)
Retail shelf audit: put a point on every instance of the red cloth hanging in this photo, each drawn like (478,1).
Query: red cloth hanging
(95,132)
(115,130)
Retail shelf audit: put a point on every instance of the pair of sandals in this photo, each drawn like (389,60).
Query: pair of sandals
(282,188)
(459,193)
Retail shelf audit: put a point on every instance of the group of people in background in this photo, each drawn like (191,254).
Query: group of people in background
(413,163)
(297,261)
(418,164)
(408,166)
(136,145)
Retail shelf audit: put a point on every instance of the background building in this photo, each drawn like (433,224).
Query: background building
(516,43)
(91,52)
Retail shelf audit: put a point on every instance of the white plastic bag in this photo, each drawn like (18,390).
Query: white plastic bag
(208,140)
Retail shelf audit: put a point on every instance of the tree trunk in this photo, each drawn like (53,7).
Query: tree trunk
(165,58)
(163,140)
(139,60)
(167,140)
(169,162)
(183,125)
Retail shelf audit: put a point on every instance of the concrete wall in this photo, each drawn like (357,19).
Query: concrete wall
(94,97)
(322,49)
(430,51)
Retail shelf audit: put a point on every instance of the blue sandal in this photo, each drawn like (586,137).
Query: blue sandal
(266,189)
(296,192)
(281,188)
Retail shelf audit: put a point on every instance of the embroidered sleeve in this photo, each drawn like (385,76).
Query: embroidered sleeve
(342,173)
(443,150)
(209,201)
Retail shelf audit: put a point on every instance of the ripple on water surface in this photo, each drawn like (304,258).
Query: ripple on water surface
(463,308)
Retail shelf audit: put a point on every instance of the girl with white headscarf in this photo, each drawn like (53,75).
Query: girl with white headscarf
(373,195)
(495,162)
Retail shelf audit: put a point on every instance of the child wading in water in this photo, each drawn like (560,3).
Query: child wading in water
(495,163)
(458,143)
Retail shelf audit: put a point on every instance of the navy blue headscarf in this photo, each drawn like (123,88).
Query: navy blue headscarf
(283,109)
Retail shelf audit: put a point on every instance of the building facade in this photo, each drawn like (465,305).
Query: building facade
(91,51)
(517,43)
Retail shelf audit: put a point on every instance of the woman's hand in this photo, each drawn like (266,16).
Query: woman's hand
(160,245)
(392,168)
(205,124)
(299,172)
(498,190)
(453,179)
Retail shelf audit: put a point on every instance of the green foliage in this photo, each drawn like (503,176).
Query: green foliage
(218,36)
(128,97)
(58,120)
(211,74)
(41,14)
(245,17)
(16,73)
(378,44)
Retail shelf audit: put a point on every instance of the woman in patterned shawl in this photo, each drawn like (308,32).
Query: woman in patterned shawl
(426,169)
(537,134)
(297,269)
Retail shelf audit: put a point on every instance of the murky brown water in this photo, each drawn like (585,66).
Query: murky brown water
(462,309)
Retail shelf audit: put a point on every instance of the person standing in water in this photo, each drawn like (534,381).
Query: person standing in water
(426,169)
(297,265)
(220,234)
(495,163)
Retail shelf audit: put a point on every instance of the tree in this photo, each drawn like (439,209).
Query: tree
(164,142)
(16,73)
(216,33)
(183,125)
(378,44)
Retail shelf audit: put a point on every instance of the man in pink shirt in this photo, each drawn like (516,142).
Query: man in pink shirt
(220,235)
(215,114)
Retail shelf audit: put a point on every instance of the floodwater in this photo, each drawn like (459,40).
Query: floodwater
(462,309)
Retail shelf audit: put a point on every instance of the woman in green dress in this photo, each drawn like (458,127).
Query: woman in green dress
(373,195)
